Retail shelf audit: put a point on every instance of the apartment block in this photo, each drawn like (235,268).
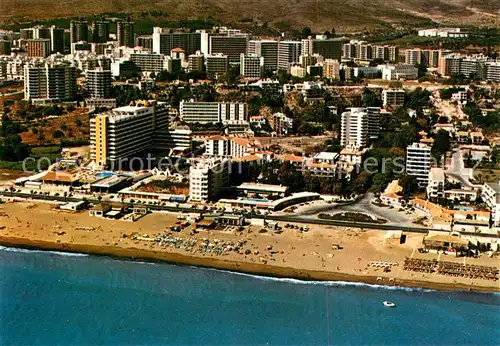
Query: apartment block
(331,69)
(126,131)
(49,82)
(232,46)
(418,162)
(359,125)
(100,31)
(361,50)
(435,187)
(164,41)
(493,71)
(212,112)
(427,57)
(267,49)
(99,83)
(288,53)
(328,48)
(491,196)
(79,31)
(149,62)
(144,41)
(38,47)
(393,97)
(207,177)
(196,62)
(251,66)
(227,146)
(125,33)
(469,66)
(280,123)
(57,40)
(216,65)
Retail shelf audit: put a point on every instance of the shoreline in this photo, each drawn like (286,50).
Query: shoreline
(259,269)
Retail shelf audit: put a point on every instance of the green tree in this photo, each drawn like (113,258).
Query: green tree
(442,143)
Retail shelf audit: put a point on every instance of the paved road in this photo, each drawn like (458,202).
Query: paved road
(457,169)
(362,205)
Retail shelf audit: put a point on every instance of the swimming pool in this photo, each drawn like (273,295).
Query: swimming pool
(257,200)
(103,175)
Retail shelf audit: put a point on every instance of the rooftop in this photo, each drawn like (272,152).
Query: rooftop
(436,174)
(262,187)
(326,156)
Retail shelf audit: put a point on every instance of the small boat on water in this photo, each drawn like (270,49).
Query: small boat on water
(389,304)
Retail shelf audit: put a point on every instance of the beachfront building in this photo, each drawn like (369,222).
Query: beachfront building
(359,125)
(207,177)
(212,112)
(435,187)
(119,134)
(418,162)
(491,197)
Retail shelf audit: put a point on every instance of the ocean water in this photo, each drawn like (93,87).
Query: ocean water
(50,298)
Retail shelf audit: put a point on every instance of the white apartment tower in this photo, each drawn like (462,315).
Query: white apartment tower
(251,66)
(359,125)
(435,186)
(418,162)
(206,178)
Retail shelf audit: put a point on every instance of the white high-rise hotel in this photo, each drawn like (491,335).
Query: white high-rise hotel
(207,177)
(418,162)
(359,125)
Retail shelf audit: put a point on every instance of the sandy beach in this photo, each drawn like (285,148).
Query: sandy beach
(292,254)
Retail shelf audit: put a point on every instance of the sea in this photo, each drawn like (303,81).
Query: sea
(52,298)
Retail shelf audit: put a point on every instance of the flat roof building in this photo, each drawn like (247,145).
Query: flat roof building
(49,82)
(207,177)
(126,131)
(212,112)
(393,97)
(216,65)
(418,162)
(99,83)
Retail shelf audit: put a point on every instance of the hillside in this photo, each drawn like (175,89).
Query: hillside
(318,14)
